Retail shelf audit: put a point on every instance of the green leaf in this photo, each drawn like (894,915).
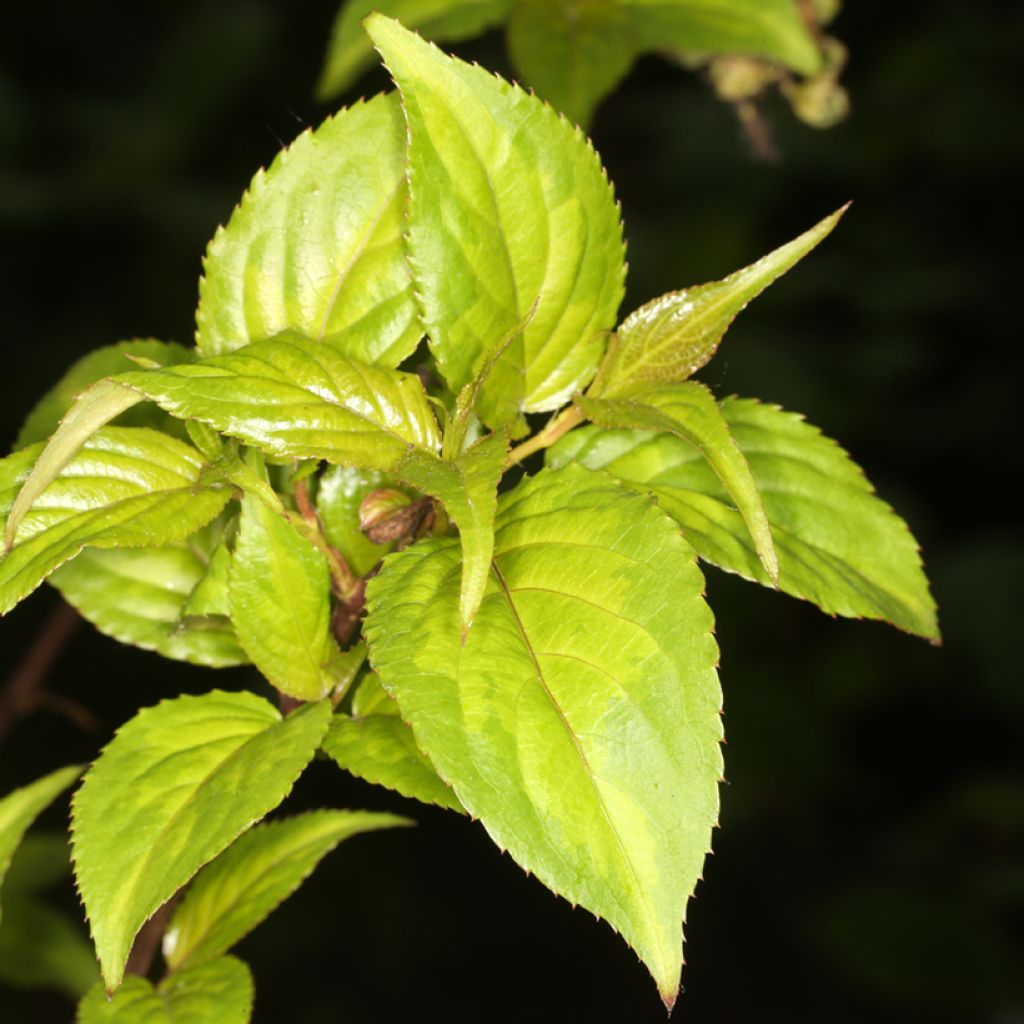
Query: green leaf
(573,52)
(672,337)
(838,544)
(176,786)
(510,209)
(220,992)
(690,412)
(341,491)
(316,246)
(297,399)
(580,720)
(127,487)
(253,876)
(349,53)
(468,489)
(159,599)
(47,413)
(43,948)
(280,603)
(374,744)
(19,809)
(764,28)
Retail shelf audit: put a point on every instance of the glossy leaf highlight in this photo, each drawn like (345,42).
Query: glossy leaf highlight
(511,217)
(128,487)
(580,719)
(175,787)
(672,337)
(316,246)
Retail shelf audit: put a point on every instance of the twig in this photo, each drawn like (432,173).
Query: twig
(140,960)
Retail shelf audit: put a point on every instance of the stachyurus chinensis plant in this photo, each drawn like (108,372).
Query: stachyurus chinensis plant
(533,650)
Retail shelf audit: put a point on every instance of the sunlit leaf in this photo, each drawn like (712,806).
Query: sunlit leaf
(580,719)
(350,52)
(219,992)
(253,876)
(838,544)
(298,399)
(340,493)
(468,489)
(673,336)
(128,487)
(176,786)
(510,213)
(280,603)
(376,745)
(689,411)
(316,246)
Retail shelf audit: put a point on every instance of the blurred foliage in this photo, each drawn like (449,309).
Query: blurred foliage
(869,866)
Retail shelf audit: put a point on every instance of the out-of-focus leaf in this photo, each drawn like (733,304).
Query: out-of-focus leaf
(350,52)
(339,495)
(573,52)
(253,876)
(316,246)
(511,219)
(580,719)
(176,786)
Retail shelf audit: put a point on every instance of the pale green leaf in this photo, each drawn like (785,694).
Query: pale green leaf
(689,411)
(573,52)
(135,1002)
(374,744)
(762,28)
(47,413)
(350,53)
(316,246)
(171,599)
(510,209)
(220,992)
(673,336)
(468,489)
(97,405)
(298,399)
(340,492)
(19,809)
(253,876)
(127,487)
(838,544)
(176,786)
(280,603)
(580,719)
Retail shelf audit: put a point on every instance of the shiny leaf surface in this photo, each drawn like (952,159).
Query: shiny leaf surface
(511,218)
(316,246)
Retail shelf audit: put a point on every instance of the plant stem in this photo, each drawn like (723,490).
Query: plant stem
(561,424)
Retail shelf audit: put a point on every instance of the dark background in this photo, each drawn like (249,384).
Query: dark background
(870,864)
